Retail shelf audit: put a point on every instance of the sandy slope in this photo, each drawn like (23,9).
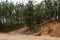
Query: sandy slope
(17,34)
(25,37)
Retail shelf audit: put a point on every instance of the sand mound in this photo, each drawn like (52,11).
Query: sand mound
(19,31)
(24,31)
(51,28)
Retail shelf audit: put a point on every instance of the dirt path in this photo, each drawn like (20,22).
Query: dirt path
(25,37)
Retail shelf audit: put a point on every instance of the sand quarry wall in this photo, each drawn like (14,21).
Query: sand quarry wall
(51,28)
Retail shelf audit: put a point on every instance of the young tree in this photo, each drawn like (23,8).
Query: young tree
(58,9)
(39,13)
(19,11)
(29,12)
(48,9)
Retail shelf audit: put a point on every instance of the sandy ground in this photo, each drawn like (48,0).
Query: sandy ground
(25,37)
(18,34)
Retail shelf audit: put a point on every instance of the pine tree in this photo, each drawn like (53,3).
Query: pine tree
(29,12)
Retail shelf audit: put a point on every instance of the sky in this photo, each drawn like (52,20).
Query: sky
(24,1)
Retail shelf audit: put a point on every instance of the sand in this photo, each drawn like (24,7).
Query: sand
(4,36)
